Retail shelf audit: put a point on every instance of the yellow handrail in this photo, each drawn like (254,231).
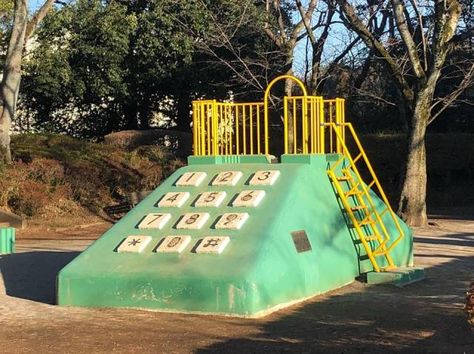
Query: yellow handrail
(380,190)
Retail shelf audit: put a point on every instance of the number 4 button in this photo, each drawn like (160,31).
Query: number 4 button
(264,178)
(176,199)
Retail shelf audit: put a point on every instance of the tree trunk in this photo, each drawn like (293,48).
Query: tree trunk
(183,117)
(412,206)
(12,76)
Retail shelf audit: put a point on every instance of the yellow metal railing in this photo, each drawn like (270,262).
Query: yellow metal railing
(228,128)
(386,242)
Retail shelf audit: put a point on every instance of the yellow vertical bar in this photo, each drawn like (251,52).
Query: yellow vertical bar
(228,128)
(232,132)
(251,129)
(295,143)
(304,109)
(237,136)
(321,127)
(285,123)
(215,130)
(312,124)
(244,132)
(202,129)
(194,128)
(258,130)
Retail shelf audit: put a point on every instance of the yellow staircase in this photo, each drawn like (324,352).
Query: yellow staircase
(356,197)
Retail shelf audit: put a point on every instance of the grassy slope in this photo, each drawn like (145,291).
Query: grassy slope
(55,175)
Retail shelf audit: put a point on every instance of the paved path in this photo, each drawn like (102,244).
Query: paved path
(425,317)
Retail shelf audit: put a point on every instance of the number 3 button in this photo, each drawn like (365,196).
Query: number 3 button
(264,178)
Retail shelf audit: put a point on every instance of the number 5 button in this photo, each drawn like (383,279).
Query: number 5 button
(264,178)
(210,199)
(248,198)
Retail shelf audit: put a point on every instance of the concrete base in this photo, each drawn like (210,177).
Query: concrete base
(400,276)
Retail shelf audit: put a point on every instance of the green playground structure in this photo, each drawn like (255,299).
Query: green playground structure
(240,232)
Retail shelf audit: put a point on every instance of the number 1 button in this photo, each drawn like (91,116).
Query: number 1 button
(191,179)
(264,178)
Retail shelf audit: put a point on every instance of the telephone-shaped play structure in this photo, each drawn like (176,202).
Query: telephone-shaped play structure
(240,232)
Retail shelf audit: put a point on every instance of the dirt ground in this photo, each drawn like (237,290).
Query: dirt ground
(424,317)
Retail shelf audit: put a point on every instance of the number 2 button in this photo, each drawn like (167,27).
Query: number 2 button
(227,178)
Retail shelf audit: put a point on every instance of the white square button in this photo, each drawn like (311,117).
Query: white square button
(213,244)
(250,198)
(174,244)
(174,199)
(191,179)
(193,221)
(264,178)
(134,244)
(232,221)
(227,178)
(154,221)
(210,199)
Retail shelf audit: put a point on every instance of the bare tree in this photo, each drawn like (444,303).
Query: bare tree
(10,85)
(416,75)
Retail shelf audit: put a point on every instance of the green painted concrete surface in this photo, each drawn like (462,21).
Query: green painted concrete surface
(260,269)
(7,240)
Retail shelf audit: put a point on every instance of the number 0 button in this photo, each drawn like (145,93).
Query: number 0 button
(264,178)
(192,221)
(248,198)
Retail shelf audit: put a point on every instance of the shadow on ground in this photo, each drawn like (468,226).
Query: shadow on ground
(425,317)
(32,275)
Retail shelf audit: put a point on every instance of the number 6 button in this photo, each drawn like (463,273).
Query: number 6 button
(192,221)
(248,198)
(264,178)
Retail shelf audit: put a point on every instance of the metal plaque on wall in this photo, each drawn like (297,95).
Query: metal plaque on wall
(300,238)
